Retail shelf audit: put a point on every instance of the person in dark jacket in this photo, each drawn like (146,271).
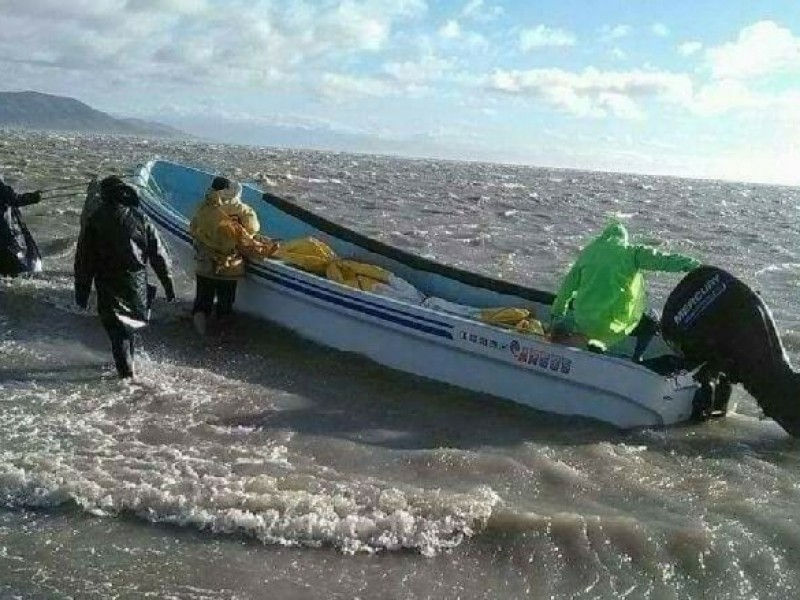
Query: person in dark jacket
(93,200)
(115,246)
(18,251)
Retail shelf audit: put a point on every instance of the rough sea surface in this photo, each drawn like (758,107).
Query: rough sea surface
(255,464)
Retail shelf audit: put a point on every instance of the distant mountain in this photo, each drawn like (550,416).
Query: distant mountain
(34,110)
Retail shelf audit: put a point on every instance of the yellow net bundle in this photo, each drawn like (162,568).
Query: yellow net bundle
(308,253)
(316,256)
(357,275)
(520,319)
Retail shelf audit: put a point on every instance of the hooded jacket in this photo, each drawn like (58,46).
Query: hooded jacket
(215,241)
(606,288)
(115,246)
(18,251)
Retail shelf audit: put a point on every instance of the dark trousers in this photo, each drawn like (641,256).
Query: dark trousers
(122,347)
(644,332)
(10,265)
(208,289)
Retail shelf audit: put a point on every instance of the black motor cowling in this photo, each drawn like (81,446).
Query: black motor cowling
(719,322)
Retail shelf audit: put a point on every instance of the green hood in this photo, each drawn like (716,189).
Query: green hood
(614,232)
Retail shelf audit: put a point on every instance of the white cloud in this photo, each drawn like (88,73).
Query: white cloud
(594,92)
(618,53)
(737,70)
(620,105)
(450,30)
(175,6)
(57,10)
(610,33)
(476,41)
(659,30)
(542,36)
(407,77)
(353,25)
(779,111)
(689,48)
(180,40)
(787,105)
(723,96)
(477,10)
(416,73)
(340,86)
(761,49)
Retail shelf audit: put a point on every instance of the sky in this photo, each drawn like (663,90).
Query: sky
(696,88)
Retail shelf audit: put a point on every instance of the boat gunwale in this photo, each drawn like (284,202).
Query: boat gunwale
(408,259)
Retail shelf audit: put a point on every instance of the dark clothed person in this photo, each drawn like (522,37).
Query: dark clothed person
(18,251)
(116,244)
(93,201)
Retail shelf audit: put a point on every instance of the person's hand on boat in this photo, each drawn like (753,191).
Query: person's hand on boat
(32,197)
(693,264)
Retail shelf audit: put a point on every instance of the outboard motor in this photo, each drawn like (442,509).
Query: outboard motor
(717,321)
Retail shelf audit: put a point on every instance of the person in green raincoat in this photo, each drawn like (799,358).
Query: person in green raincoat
(605,288)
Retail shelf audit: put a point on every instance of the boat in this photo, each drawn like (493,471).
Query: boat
(494,361)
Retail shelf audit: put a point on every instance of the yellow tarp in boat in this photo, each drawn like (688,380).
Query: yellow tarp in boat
(357,275)
(308,253)
(316,256)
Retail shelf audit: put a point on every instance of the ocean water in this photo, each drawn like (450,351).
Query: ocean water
(255,464)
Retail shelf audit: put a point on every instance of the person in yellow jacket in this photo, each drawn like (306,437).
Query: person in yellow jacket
(604,290)
(218,261)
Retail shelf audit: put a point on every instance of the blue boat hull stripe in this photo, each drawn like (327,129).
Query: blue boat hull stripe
(366,307)
(261,271)
(357,307)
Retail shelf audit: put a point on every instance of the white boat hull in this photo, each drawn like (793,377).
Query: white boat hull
(447,348)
